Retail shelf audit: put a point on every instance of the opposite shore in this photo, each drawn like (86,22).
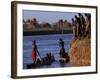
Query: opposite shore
(30,33)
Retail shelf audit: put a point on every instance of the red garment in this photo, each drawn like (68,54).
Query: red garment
(63,53)
(33,55)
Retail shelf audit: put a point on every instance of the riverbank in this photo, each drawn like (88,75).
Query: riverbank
(29,33)
(80,52)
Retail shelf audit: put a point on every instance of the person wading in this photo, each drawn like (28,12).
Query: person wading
(62,50)
(34,52)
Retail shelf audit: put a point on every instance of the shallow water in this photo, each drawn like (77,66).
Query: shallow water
(45,44)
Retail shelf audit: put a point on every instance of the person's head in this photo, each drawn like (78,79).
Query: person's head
(89,16)
(46,54)
(50,54)
(79,14)
(34,42)
(72,20)
(60,39)
(86,14)
(75,16)
(38,59)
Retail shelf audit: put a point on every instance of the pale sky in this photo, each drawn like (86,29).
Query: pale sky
(47,16)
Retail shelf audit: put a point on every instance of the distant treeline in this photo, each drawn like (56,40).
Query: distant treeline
(34,25)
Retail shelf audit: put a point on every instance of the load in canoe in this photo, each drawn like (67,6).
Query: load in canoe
(64,59)
(47,60)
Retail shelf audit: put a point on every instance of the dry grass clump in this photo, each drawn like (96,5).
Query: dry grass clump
(80,52)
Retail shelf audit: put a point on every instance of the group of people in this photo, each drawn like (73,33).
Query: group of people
(81,25)
(81,28)
(49,57)
(46,59)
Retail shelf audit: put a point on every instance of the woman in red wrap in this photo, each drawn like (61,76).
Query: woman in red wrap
(34,51)
(62,50)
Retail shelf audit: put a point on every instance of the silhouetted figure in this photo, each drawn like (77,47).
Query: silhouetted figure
(88,25)
(49,56)
(82,24)
(42,60)
(79,27)
(74,28)
(62,50)
(38,61)
(34,51)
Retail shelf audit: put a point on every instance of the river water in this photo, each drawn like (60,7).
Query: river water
(45,44)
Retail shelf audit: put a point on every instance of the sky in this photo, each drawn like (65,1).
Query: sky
(47,16)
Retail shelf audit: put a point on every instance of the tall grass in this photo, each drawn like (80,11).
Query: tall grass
(80,52)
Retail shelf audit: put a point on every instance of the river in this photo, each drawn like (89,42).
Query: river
(45,44)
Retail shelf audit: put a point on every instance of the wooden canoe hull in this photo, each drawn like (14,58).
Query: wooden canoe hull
(41,63)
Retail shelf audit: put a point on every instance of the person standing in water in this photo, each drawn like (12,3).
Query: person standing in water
(34,51)
(62,50)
